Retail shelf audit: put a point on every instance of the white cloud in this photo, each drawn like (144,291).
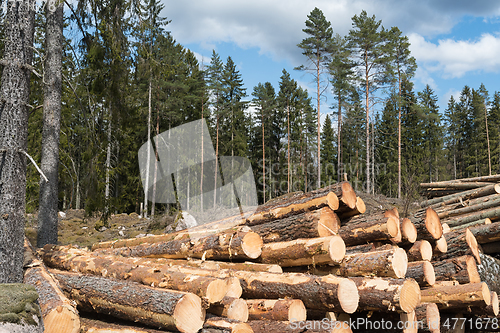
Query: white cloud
(455,58)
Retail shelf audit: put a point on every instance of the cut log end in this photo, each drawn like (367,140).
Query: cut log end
(472,242)
(472,271)
(393,226)
(233,287)
(429,274)
(400,263)
(408,230)
(426,250)
(432,317)
(332,200)
(348,295)
(62,319)
(485,291)
(495,303)
(433,223)
(410,295)
(441,245)
(336,248)
(252,245)
(238,310)
(217,289)
(297,311)
(189,314)
(329,222)
(348,195)
(360,205)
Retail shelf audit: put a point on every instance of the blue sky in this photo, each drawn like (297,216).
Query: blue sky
(455,42)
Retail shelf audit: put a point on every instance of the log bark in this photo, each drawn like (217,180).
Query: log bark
(475,216)
(422,272)
(368,228)
(428,225)
(490,310)
(462,269)
(360,248)
(309,326)
(428,315)
(278,310)
(359,209)
(215,265)
(487,233)
(458,297)
(58,312)
(98,326)
(489,271)
(386,294)
(420,250)
(131,301)
(491,248)
(461,196)
(231,308)
(468,206)
(301,252)
(213,289)
(237,243)
(228,325)
(318,223)
(460,243)
(387,263)
(455,185)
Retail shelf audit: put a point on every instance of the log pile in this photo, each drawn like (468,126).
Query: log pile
(311,262)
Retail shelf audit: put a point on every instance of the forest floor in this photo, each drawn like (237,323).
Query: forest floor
(77,229)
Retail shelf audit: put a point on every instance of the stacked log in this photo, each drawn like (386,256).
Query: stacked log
(296,261)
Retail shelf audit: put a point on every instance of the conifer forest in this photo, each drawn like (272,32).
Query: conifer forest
(124,78)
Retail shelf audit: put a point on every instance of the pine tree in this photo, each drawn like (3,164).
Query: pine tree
(317,48)
(494,124)
(328,153)
(387,129)
(368,44)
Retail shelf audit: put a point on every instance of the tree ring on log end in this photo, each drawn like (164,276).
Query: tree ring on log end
(329,222)
(189,314)
(410,295)
(332,200)
(494,303)
(252,245)
(393,226)
(336,248)
(429,273)
(433,223)
(348,195)
(400,262)
(297,311)
(348,296)
(485,291)
(472,242)
(409,230)
(216,290)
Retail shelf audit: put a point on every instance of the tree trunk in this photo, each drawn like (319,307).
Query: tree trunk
(151,306)
(59,314)
(97,326)
(490,310)
(460,243)
(422,272)
(310,224)
(388,263)
(360,248)
(459,296)
(300,252)
(230,308)
(14,89)
(428,225)
(49,190)
(487,233)
(281,310)
(462,269)
(421,250)
(428,315)
(359,209)
(386,294)
(461,196)
(475,216)
(368,228)
(237,243)
(489,271)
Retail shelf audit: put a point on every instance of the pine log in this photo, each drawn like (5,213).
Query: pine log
(368,228)
(475,216)
(98,326)
(489,271)
(446,228)
(386,322)
(420,250)
(360,248)
(459,296)
(472,224)
(461,196)
(358,210)
(487,233)
(428,225)
(228,325)
(330,196)
(231,308)
(279,310)
(318,223)
(462,269)
(455,185)
(491,248)
(428,315)
(58,312)
(215,265)
(127,300)
(386,294)
(387,263)
(440,246)
(460,242)
(301,252)
(422,272)
(236,243)
(409,232)
(137,270)
(490,310)
(310,326)
(469,206)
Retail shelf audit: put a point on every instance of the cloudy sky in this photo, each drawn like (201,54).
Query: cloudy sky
(455,42)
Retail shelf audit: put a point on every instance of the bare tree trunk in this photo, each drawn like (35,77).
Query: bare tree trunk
(487,140)
(216,160)
(263,160)
(399,141)
(14,90)
(47,216)
(319,123)
(339,141)
(288,152)
(156,167)
(108,164)
(148,153)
